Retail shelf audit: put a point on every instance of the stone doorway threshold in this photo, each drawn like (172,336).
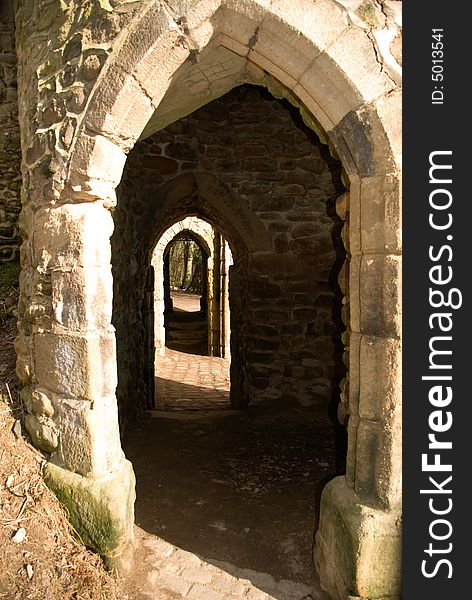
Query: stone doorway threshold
(226,504)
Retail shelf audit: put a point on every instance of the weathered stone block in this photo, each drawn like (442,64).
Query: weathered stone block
(355,293)
(373,155)
(23,345)
(72,235)
(91,67)
(83,366)
(97,166)
(355,218)
(388,464)
(100,509)
(368,437)
(82,298)
(348,66)
(352,425)
(380,295)
(357,548)
(24,370)
(238,25)
(381,215)
(282,64)
(76,99)
(380,378)
(320,22)
(43,432)
(41,403)
(90,439)
(389,110)
(355,340)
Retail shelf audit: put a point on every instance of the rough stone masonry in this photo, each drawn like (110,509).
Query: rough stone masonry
(97,77)
(288,314)
(10,152)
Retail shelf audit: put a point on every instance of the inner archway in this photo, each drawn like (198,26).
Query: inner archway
(188,323)
(186,318)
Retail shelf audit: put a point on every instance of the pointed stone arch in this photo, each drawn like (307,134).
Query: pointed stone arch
(202,233)
(327,64)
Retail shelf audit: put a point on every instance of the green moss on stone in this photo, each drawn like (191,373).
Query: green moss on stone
(359,545)
(100,510)
(368,11)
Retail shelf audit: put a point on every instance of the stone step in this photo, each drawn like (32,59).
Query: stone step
(187,335)
(188,326)
(193,343)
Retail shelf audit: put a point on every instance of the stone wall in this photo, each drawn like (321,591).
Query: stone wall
(288,318)
(92,75)
(10,153)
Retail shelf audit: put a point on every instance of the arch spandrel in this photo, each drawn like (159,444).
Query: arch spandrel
(340,77)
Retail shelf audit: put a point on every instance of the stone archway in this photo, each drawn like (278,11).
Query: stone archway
(339,70)
(188,335)
(202,232)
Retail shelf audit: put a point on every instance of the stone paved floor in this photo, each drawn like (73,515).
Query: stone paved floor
(189,382)
(165,572)
(226,504)
(186,302)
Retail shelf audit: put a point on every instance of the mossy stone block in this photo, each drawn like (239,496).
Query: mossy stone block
(358,548)
(100,510)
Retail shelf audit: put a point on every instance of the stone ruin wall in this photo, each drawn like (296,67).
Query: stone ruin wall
(61,48)
(288,321)
(10,151)
(56,88)
(66,50)
(81,35)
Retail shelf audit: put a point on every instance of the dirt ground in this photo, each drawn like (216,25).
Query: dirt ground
(40,560)
(238,489)
(39,557)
